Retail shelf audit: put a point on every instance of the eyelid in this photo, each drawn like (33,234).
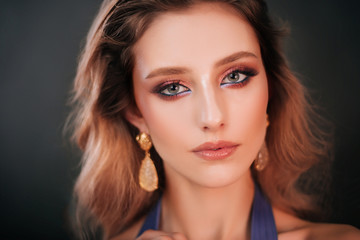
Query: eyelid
(248,71)
(162,86)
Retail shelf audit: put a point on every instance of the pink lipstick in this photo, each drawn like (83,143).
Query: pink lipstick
(215,150)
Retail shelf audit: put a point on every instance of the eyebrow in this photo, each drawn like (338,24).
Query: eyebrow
(233,57)
(181,70)
(167,71)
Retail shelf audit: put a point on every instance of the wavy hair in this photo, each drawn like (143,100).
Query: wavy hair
(107,193)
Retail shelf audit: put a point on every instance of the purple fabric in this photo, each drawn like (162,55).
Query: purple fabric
(152,220)
(262,219)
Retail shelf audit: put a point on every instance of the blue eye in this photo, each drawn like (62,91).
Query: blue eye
(173,89)
(235,77)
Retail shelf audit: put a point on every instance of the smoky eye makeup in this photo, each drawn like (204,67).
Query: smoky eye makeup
(237,76)
(234,77)
(171,89)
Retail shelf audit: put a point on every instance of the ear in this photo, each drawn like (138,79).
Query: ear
(134,116)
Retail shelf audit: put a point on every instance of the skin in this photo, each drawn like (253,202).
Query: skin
(205,199)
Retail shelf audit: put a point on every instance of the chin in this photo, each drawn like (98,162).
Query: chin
(222,178)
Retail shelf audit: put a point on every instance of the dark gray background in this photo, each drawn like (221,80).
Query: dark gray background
(39,45)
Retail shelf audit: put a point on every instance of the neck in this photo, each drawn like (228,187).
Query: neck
(208,213)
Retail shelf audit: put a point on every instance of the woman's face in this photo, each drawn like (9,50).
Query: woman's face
(202,93)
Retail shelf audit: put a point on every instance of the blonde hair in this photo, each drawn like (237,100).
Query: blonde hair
(107,191)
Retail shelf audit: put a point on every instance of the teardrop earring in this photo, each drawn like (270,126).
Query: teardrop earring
(262,158)
(148,178)
(263,155)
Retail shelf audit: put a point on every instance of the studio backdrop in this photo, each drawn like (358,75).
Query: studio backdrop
(39,45)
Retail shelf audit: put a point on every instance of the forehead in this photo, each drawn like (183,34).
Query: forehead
(205,32)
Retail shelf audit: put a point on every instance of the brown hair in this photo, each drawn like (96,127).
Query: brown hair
(107,192)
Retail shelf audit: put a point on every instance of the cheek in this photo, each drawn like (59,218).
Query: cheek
(255,109)
(167,122)
(248,112)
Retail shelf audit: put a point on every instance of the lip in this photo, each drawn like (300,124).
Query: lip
(215,150)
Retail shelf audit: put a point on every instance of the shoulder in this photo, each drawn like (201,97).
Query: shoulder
(291,227)
(131,232)
(322,231)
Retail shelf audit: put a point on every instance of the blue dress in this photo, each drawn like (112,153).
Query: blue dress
(262,218)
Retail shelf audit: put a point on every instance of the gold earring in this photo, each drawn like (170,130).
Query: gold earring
(148,178)
(263,155)
(262,158)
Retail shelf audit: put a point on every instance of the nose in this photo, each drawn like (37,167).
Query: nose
(211,108)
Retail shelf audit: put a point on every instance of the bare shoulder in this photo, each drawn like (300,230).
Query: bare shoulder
(322,231)
(130,233)
(291,227)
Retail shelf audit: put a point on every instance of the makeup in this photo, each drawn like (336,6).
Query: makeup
(198,81)
(215,150)
(170,90)
(237,77)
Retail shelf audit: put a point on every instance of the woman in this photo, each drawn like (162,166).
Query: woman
(193,127)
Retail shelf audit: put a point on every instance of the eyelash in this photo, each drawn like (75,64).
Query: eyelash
(165,85)
(248,72)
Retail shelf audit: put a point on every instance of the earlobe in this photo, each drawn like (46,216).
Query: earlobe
(134,116)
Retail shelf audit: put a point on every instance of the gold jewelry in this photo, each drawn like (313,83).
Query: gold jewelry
(148,178)
(263,155)
(262,158)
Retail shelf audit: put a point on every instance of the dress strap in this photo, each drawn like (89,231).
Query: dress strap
(152,220)
(262,218)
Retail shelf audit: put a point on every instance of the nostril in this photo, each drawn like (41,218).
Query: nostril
(205,128)
(213,126)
